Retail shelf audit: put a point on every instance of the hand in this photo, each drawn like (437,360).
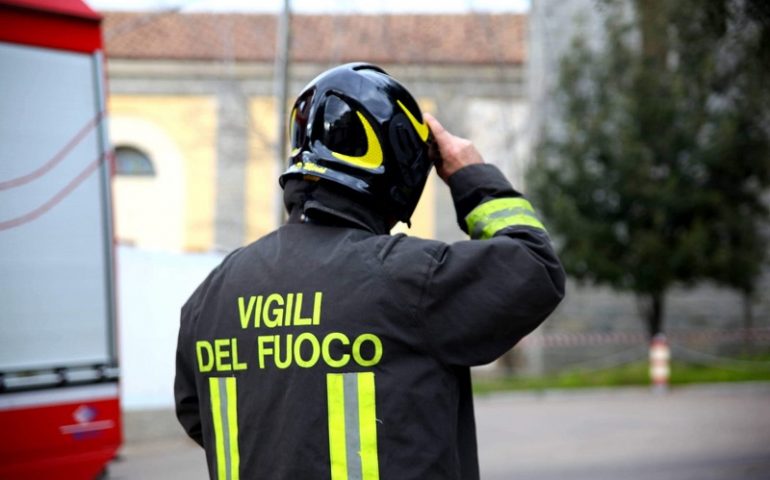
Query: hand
(456,152)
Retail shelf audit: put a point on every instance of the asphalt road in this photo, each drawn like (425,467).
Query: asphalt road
(697,433)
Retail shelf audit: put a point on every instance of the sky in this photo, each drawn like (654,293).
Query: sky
(319,6)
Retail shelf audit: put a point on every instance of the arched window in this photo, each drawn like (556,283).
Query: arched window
(133,162)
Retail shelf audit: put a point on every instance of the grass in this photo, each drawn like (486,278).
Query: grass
(747,369)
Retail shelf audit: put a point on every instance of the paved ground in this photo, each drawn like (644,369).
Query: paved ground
(698,433)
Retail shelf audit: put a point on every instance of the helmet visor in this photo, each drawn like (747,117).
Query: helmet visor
(341,131)
(298,123)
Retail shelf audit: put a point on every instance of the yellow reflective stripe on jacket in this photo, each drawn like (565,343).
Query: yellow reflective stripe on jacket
(367,418)
(224,413)
(352,426)
(492,216)
(336,406)
(232,420)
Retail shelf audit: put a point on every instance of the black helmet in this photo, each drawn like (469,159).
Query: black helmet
(356,126)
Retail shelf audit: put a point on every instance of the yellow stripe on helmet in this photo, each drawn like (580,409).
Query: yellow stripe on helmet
(420,127)
(373,157)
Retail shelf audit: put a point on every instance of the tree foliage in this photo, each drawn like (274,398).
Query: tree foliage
(655,172)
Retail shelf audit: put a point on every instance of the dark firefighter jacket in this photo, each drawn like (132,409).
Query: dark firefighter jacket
(332,352)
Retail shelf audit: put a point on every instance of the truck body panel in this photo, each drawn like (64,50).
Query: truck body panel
(59,390)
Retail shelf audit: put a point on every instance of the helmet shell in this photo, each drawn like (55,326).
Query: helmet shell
(356,126)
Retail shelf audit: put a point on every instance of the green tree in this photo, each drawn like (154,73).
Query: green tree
(655,172)
(732,46)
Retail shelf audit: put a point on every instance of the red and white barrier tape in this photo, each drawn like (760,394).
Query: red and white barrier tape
(585,339)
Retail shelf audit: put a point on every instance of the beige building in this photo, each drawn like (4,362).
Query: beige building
(193,114)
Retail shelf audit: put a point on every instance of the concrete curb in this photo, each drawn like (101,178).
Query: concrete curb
(721,388)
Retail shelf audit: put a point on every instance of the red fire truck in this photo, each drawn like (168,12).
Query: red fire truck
(59,402)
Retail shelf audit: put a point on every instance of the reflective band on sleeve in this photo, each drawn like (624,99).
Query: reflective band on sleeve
(492,216)
(352,426)
(224,413)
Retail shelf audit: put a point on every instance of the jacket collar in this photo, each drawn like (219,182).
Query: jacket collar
(320,204)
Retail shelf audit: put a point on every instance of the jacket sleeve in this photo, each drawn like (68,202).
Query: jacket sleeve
(481,296)
(186,399)
(185,391)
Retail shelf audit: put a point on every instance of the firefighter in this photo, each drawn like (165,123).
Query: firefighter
(329,349)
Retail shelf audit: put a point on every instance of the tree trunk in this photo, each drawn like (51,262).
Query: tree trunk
(748,319)
(652,22)
(651,306)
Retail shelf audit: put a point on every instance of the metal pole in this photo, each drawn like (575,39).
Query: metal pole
(283,42)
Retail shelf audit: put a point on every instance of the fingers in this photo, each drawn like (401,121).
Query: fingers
(434,124)
(455,152)
(438,130)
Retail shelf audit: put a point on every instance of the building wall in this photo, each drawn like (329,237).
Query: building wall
(172,210)
(262,170)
